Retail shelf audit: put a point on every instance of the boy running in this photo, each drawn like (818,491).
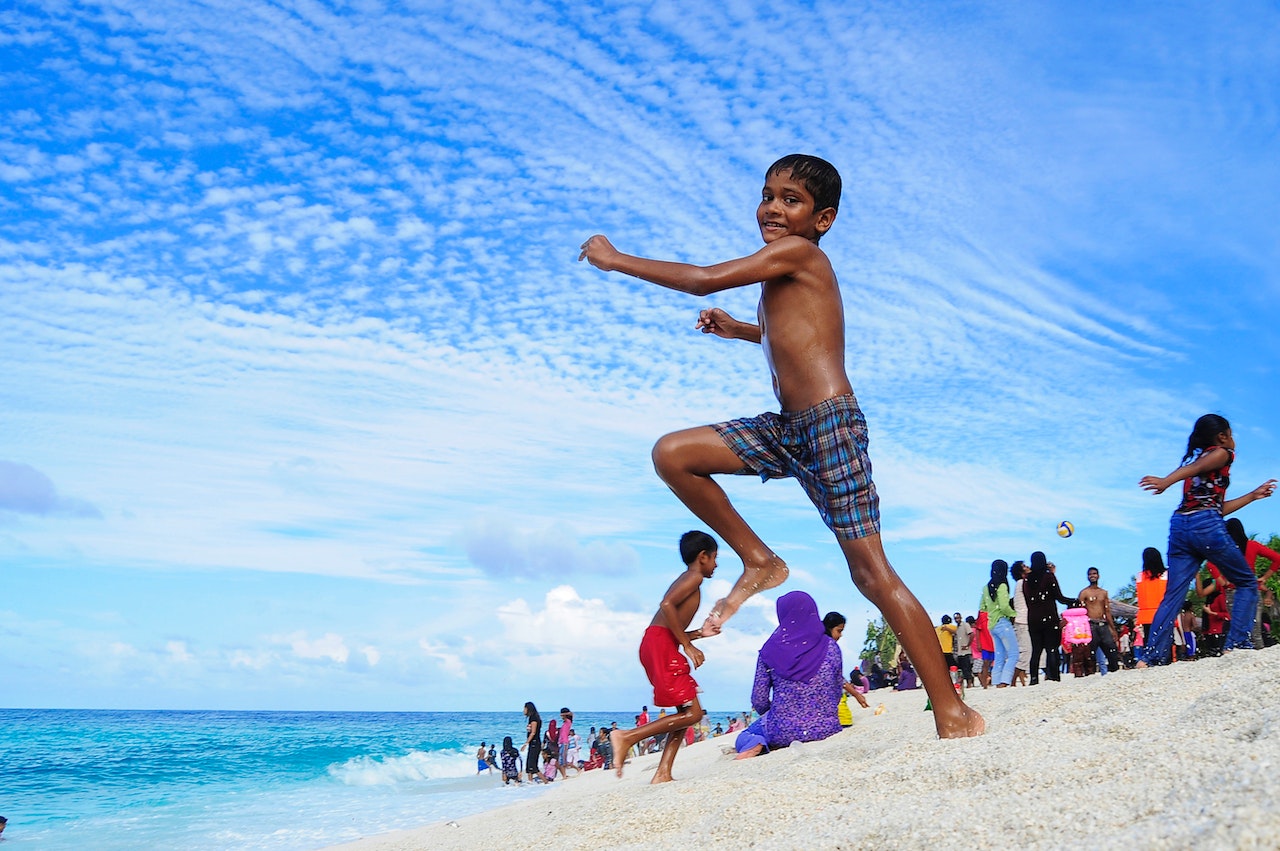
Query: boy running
(667,669)
(819,438)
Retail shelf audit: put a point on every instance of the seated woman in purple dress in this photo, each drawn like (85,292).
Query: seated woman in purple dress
(906,674)
(799,680)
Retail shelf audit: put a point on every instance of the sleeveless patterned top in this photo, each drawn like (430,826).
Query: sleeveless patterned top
(1207,490)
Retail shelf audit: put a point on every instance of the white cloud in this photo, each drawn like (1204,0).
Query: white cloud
(329,646)
(178,652)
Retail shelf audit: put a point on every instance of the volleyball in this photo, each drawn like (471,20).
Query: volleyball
(1066,528)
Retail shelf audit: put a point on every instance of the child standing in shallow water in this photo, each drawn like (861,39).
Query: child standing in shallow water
(510,762)
(1197,532)
(820,436)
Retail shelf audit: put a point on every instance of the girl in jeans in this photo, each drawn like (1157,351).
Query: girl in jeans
(995,602)
(1197,532)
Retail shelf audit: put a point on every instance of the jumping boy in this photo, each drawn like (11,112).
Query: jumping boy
(819,438)
(668,671)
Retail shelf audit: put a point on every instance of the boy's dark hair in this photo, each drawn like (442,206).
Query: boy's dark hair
(694,544)
(818,176)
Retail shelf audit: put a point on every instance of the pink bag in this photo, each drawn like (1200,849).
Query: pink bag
(1077,629)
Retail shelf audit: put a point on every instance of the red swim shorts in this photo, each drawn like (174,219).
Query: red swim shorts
(668,670)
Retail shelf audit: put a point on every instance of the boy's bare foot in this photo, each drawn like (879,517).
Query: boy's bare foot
(660,776)
(753,580)
(619,752)
(750,752)
(963,725)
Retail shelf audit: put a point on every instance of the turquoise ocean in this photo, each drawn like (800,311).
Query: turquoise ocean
(283,781)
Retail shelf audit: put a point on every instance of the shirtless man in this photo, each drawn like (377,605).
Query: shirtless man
(1098,603)
(820,435)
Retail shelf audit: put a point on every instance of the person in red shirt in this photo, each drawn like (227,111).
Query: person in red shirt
(1216,614)
(1252,550)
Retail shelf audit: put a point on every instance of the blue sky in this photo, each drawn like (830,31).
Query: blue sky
(307,404)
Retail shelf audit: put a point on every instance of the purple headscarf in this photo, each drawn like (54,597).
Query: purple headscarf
(797,647)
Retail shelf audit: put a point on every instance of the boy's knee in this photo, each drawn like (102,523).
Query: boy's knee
(664,454)
(875,585)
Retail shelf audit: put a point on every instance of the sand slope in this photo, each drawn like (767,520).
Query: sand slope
(1186,756)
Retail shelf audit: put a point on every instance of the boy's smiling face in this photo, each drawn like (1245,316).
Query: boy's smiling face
(786,207)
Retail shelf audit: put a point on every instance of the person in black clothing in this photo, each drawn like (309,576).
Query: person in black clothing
(1042,593)
(533,741)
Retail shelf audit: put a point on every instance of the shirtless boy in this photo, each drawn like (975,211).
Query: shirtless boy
(668,671)
(820,438)
(1098,602)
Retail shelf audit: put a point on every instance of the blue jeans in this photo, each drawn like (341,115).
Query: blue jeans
(1006,641)
(1194,538)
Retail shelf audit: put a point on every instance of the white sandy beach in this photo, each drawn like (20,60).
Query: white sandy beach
(1186,756)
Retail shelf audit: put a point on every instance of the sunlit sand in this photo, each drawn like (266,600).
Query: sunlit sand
(1185,756)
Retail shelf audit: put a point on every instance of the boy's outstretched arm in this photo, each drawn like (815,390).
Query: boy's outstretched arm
(781,257)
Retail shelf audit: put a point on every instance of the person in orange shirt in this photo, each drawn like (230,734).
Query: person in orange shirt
(1151,585)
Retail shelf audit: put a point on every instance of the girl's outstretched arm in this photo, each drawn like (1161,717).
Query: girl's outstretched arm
(1262,491)
(1211,460)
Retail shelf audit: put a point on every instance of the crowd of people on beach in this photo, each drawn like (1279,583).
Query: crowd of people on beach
(1018,635)
(560,751)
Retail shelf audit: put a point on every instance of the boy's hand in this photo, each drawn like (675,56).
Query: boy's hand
(696,656)
(715,321)
(599,252)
